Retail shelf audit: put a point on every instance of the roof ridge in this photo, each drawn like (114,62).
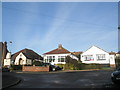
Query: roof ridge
(28,53)
(59,50)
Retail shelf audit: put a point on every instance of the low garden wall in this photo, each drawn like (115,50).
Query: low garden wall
(36,68)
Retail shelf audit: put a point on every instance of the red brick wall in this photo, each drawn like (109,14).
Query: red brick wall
(112,65)
(35,68)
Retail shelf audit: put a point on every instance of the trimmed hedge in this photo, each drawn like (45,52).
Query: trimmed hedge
(117,61)
(16,67)
(37,63)
(83,66)
(94,66)
(60,65)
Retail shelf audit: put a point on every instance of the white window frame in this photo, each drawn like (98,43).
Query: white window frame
(88,57)
(60,58)
(100,57)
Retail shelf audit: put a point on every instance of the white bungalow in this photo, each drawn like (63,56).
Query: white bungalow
(25,57)
(57,56)
(97,55)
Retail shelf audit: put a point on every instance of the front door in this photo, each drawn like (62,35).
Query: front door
(20,61)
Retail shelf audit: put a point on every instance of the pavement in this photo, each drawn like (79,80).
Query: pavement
(9,79)
(61,71)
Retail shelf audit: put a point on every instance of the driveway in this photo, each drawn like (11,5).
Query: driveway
(78,79)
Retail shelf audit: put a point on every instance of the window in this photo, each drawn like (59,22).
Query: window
(50,58)
(47,59)
(100,56)
(53,58)
(61,58)
(88,57)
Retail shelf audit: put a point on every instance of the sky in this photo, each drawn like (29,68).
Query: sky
(41,26)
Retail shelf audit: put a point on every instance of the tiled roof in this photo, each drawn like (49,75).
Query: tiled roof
(59,50)
(118,52)
(30,54)
(112,53)
(76,53)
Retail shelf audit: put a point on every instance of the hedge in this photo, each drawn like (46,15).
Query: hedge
(16,67)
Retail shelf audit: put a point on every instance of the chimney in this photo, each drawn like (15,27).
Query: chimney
(59,46)
(5,43)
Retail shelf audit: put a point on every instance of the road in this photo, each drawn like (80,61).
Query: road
(78,79)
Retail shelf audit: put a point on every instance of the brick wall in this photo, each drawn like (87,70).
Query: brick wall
(36,68)
(112,65)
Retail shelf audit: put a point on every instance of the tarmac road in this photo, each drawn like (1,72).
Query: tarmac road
(78,79)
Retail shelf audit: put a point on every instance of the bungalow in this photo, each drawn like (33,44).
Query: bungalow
(25,57)
(97,55)
(57,56)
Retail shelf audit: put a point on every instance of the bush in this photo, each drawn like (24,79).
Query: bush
(71,64)
(94,66)
(60,65)
(117,61)
(37,63)
(16,67)
(27,65)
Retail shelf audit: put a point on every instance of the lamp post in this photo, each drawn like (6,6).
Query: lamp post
(11,62)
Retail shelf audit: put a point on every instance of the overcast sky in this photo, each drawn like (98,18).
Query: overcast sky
(77,26)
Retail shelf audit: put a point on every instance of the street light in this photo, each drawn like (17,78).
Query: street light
(119,27)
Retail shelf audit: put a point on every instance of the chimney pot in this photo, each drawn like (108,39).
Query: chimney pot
(59,46)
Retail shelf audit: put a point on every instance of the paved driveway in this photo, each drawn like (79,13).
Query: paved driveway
(81,79)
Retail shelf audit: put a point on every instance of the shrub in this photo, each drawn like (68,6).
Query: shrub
(16,67)
(94,66)
(60,65)
(37,63)
(72,64)
(27,65)
(117,61)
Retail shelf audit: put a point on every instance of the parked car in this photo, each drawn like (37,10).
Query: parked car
(54,68)
(115,76)
(5,69)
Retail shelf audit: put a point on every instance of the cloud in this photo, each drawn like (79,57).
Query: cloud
(63,28)
(54,31)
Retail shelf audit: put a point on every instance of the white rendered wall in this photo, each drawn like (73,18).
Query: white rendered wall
(56,58)
(112,59)
(7,61)
(8,55)
(18,57)
(29,62)
(93,51)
